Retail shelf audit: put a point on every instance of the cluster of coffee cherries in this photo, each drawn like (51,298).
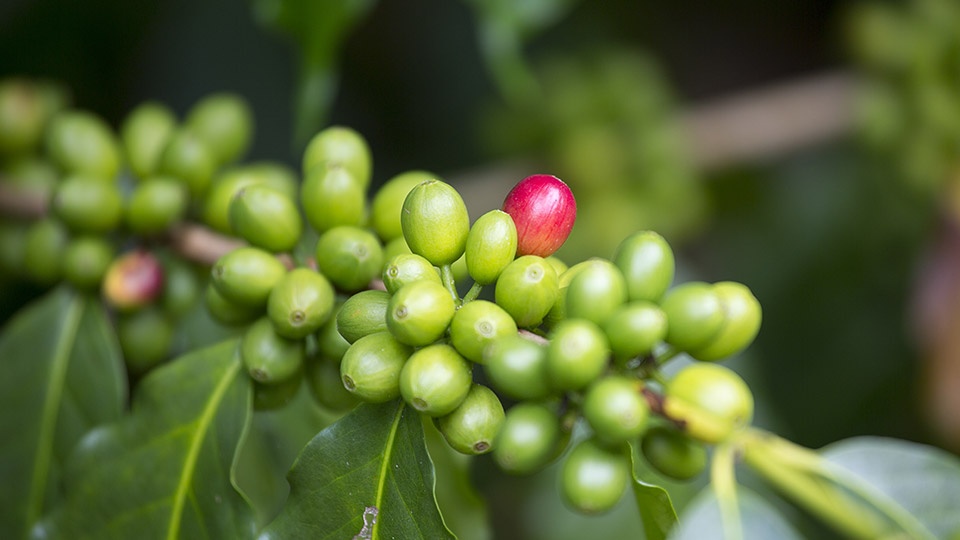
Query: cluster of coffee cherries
(112,199)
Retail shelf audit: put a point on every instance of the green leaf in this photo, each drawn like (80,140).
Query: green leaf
(367,476)
(702,518)
(923,480)
(653,502)
(164,471)
(463,510)
(62,375)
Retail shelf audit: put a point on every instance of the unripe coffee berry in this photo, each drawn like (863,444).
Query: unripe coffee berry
(673,454)
(188,159)
(326,386)
(350,257)
(331,197)
(615,409)
(226,312)
(473,426)
(435,380)
(266,218)
(339,146)
(528,438)
(371,367)
(157,203)
(694,315)
(216,202)
(543,209)
(144,135)
(595,292)
(635,328)
(420,312)
(593,477)
(435,222)
(741,322)
(363,314)
(300,303)
(577,354)
(648,265)
(491,246)
(88,204)
(711,400)
(269,358)
(247,275)
(80,142)
(527,289)
(517,367)
(477,324)
(406,268)
(43,248)
(86,260)
(224,122)
(386,205)
(145,338)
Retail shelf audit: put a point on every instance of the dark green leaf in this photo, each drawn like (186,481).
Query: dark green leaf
(367,476)
(925,481)
(653,502)
(62,375)
(164,471)
(702,519)
(463,510)
(270,448)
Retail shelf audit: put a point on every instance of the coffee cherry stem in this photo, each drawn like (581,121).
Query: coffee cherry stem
(724,481)
(446,275)
(473,293)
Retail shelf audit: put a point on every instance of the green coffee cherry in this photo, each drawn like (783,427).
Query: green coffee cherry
(388,202)
(43,249)
(527,289)
(673,454)
(517,367)
(331,197)
(615,409)
(144,135)
(216,203)
(711,400)
(635,328)
(459,269)
(156,204)
(81,143)
(371,367)
(226,312)
(266,218)
(477,324)
(647,263)
(528,438)
(269,358)
(741,322)
(247,275)
(558,311)
(323,376)
(577,354)
(473,426)
(225,123)
(558,265)
(31,176)
(270,397)
(435,380)
(593,477)
(180,287)
(300,303)
(406,268)
(145,337)
(420,312)
(187,158)
(349,257)
(86,204)
(330,344)
(86,260)
(341,146)
(435,222)
(22,116)
(362,314)
(694,315)
(491,246)
(595,292)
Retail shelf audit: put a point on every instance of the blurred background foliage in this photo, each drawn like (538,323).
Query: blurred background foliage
(837,240)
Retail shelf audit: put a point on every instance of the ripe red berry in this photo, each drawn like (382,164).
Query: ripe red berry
(543,208)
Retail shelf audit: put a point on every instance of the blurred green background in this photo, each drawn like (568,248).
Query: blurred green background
(830,237)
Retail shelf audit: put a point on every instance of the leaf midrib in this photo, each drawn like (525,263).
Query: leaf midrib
(384,467)
(209,411)
(51,408)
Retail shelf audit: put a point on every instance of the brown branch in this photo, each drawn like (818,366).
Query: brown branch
(656,403)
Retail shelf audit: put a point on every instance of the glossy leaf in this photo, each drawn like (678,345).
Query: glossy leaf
(366,476)
(463,510)
(653,502)
(702,518)
(923,480)
(62,375)
(164,471)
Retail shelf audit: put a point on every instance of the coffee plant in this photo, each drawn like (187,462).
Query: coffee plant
(379,326)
